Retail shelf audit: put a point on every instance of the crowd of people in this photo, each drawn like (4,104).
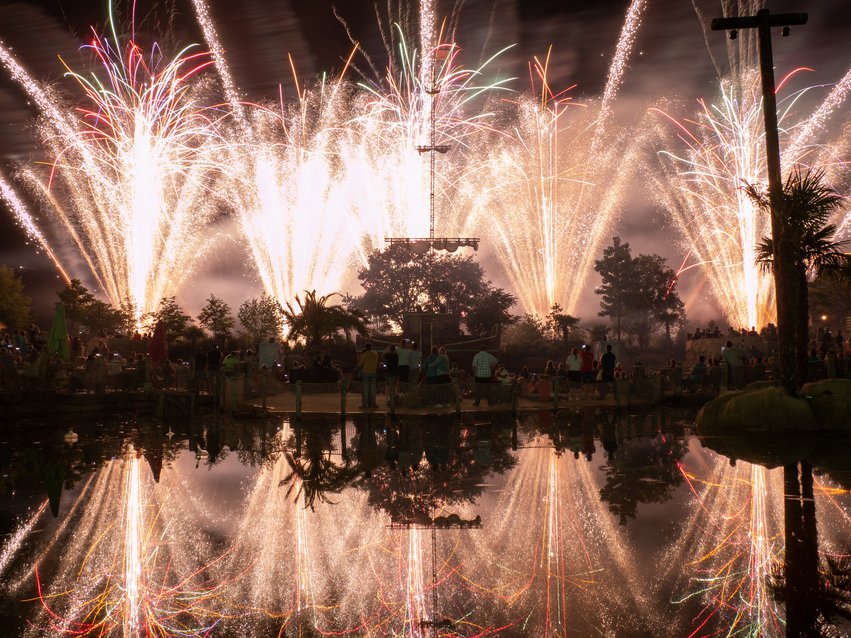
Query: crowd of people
(485,377)
(769,331)
(587,371)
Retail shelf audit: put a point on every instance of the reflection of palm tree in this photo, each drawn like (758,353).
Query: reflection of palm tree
(813,600)
(315,475)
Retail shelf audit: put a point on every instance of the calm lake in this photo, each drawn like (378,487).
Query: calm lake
(589,523)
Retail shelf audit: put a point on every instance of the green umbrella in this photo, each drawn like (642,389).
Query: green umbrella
(57,340)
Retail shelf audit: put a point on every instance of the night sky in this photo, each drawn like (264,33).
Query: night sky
(671,60)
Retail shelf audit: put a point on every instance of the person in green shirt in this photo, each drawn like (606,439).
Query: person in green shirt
(230,364)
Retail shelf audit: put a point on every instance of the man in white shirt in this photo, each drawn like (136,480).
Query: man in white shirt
(483,365)
(414,360)
(404,360)
(574,368)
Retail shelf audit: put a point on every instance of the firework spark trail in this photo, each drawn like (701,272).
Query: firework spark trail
(617,69)
(263,545)
(132,171)
(693,529)
(296,560)
(601,163)
(340,165)
(616,551)
(133,524)
(523,201)
(566,170)
(416,605)
(530,168)
(562,549)
(291,190)
(24,218)
(834,514)
(815,123)
(554,551)
(122,568)
(13,545)
(703,172)
(730,563)
(211,37)
(26,574)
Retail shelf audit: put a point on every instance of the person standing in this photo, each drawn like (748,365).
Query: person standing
(368,366)
(483,366)
(607,365)
(414,363)
(732,358)
(391,363)
(441,367)
(404,357)
(430,367)
(574,368)
(587,370)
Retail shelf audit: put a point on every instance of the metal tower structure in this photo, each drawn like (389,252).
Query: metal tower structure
(424,244)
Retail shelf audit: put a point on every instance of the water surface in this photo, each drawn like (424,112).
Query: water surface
(586,524)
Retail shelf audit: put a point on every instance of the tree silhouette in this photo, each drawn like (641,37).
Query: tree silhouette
(804,215)
(644,470)
(314,474)
(315,320)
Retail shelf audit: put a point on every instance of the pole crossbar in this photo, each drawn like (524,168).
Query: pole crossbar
(753,22)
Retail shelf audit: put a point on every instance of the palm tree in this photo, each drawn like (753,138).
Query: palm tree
(804,217)
(563,323)
(316,320)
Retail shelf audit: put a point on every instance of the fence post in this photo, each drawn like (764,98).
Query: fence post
(456,395)
(515,396)
(298,399)
(264,376)
(554,383)
(343,387)
(344,451)
(657,389)
(391,396)
(830,365)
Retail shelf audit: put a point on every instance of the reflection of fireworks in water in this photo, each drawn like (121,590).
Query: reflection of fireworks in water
(308,568)
(736,542)
(554,561)
(130,181)
(130,567)
(13,545)
(701,184)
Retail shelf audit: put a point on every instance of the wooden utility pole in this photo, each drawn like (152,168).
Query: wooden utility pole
(786,283)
